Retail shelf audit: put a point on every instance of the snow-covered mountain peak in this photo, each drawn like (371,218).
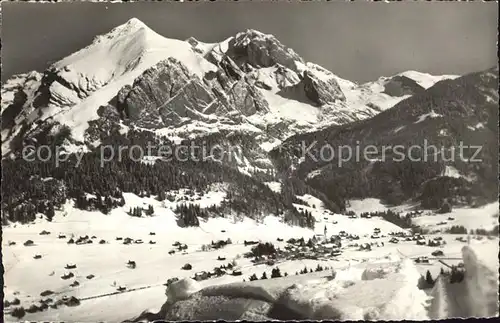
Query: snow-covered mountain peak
(252,34)
(116,50)
(135,23)
(426,80)
(131,26)
(250,77)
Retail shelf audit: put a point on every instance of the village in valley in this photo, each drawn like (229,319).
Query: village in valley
(339,241)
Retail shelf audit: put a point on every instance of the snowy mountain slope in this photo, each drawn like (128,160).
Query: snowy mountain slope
(426,80)
(73,88)
(453,112)
(28,81)
(250,66)
(386,92)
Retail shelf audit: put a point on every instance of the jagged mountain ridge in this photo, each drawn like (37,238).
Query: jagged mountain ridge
(250,79)
(248,92)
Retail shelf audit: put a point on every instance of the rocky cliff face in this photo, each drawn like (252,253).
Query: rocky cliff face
(163,95)
(167,94)
(260,50)
(402,85)
(312,89)
(251,81)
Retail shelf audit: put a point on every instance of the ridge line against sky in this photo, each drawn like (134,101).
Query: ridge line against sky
(359,41)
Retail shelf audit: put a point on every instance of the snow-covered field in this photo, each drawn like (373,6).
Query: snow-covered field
(26,277)
(484,217)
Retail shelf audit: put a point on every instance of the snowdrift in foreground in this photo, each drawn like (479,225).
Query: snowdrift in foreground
(475,296)
(381,291)
(349,296)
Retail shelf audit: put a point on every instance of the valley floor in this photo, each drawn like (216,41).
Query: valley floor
(27,277)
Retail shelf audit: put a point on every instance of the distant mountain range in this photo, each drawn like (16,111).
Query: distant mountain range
(132,85)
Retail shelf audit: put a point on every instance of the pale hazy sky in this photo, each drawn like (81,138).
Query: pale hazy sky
(359,41)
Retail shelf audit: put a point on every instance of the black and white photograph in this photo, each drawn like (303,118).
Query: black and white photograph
(249,160)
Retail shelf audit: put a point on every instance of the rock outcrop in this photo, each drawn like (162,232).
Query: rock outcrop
(312,89)
(260,50)
(401,85)
(168,94)
(164,89)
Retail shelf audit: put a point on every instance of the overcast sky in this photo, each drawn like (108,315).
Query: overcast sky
(359,41)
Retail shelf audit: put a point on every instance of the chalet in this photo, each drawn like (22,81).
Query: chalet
(46,293)
(202,275)
(336,253)
(421,242)
(29,243)
(365,246)
(218,272)
(424,260)
(236,273)
(270,262)
(437,253)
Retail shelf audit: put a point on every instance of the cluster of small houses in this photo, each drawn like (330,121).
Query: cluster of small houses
(178,247)
(89,240)
(417,237)
(225,269)
(218,271)
(44,304)
(314,248)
